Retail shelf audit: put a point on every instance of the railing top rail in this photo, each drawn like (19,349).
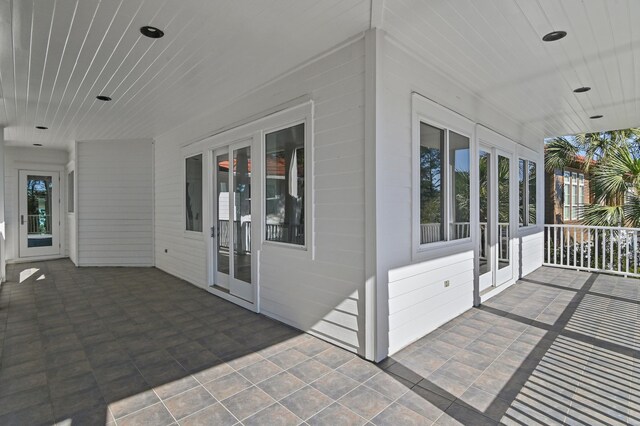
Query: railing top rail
(591,227)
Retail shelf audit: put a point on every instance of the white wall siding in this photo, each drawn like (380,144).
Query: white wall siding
(30,159)
(114,204)
(417,300)
(320,293)
(530,248)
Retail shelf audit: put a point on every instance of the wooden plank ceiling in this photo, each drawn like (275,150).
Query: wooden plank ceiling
(494,48)
(56,56)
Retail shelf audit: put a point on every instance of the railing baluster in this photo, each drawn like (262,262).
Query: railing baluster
(561,246)
(589,248)
(635,252)
(575,251)
(582,248)
(619,250)
(555,246)
(611,248)
(626,257)
(595,263)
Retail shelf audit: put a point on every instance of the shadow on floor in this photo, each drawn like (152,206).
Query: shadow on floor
(138,346)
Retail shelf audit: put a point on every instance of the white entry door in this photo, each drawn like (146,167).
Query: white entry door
(231,230)
(495,251)
(39,218)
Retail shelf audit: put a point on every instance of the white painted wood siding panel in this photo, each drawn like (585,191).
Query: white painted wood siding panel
(417,301)
(115,203)
(321,295)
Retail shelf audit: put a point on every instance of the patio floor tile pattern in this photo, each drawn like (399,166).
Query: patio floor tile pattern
(127,346)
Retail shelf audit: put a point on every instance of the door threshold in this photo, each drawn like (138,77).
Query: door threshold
(488,293)
(35,259)
(226,294)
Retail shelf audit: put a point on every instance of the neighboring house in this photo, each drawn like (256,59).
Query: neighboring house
(567,191)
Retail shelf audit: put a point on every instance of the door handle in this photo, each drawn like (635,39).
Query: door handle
(213,232)
(21,219)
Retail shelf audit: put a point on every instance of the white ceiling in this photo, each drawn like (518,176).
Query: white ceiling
(494,48)
(57,55)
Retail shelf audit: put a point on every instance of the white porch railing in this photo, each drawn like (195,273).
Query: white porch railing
(430,232)
(593,248)
(273,233)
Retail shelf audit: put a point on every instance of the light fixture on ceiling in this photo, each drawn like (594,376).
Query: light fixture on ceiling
(103,98)
(582,89)
(37,144)
(554,36)
(595,117)
(151,32)
(41,127)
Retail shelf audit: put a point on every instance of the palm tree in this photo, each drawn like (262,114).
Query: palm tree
(615,159)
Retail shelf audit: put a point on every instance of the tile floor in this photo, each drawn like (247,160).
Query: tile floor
(132,346)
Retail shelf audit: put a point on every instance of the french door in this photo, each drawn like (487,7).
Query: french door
(495,251)
(39,216)
(231,229)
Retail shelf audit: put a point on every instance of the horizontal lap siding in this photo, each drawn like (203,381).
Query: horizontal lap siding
(115,203)
(418,302)
(323,294)
(531,252)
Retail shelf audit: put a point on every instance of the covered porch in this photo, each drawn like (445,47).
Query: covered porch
(94,345)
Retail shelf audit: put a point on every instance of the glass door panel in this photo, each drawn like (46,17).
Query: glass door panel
(233,220)
(495,239)
(242,219)
(39,210)
(486,210)
(222,242)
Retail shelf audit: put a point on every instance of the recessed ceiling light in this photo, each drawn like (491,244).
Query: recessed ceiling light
(595,117)
(582,89)
(37,144)
(151,32)
(41,127)
(554,36)
(103,98)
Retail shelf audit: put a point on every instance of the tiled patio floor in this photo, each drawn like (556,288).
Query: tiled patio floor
(137,346)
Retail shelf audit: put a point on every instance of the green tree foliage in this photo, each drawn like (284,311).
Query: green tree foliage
(613,160)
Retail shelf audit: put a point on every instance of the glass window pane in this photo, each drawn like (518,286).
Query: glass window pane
(284,186)
(532,192)
(485,225)
(193,193)
(242,219)
(222,208)
(70,192)
(431,194)
(521,189)
(460,186)
(39,204)
(503,213)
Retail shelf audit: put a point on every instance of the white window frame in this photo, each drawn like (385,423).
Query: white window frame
(308,122)
(431,113)
(186,153)
(566,195)
(581,203)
